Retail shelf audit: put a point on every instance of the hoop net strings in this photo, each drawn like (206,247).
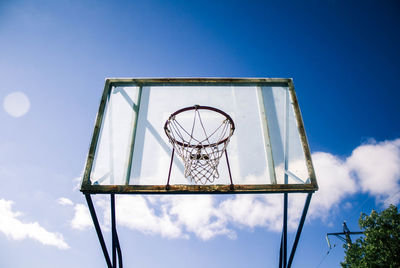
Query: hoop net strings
(200,155)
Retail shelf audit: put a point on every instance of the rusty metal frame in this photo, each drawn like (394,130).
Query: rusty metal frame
(88,188)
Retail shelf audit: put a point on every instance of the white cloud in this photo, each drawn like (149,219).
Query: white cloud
(14,228)
(82,219)
(335,182)
(199,215)
(372,168)
(254,210)
(65,201)
(377,166)
(134,212)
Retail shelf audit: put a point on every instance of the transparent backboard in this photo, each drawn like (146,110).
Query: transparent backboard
(130,152)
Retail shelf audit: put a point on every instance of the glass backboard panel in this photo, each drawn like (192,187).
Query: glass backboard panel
(130,151)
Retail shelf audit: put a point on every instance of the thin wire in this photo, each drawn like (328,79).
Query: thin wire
(393,196)
(327,253)
(359,207)
(366,199)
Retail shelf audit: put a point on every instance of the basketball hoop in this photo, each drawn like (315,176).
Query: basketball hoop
(200,142)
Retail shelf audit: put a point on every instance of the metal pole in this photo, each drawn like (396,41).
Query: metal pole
(285,212)
(114,232)
(98,230)
(115,241)
(119,252)
(286,165)
(299,229)
(280,253)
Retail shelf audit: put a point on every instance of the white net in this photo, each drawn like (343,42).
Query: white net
(200,135)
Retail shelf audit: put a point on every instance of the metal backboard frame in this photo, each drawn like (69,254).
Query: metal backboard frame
(88,187)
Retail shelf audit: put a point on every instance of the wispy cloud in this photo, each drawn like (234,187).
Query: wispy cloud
(81,219)
(14,228)
(65,201)
(372,168)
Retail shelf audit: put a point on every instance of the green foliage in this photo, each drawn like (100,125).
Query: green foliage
(380,244)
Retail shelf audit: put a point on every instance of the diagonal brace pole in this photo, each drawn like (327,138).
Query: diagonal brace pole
(119,252)
(98,229)
(299,229)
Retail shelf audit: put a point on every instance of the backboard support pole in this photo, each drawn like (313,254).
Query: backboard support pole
(284,234)
(113,231)
(116,249)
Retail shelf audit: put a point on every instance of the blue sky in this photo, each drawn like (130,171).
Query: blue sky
(342,55)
